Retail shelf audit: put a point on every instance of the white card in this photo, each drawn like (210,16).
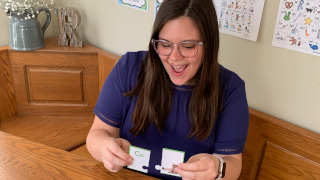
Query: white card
(170,157)
(141,159)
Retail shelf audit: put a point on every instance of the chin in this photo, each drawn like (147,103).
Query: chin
(179,83)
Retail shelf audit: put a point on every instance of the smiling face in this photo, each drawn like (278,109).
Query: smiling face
(180,69)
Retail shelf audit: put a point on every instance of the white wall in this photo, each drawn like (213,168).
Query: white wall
(114,27)
(4,39)
(280,82)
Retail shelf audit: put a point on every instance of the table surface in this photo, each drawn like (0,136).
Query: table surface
(23,159)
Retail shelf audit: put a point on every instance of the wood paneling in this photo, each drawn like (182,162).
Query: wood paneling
(276,149)
(44,85)
(280,163)
(106,64)
(48,95)
(55,83)
(7,97)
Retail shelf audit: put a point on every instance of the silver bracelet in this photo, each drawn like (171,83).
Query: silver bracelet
(222,167)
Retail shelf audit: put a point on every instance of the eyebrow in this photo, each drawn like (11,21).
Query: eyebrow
(160,38)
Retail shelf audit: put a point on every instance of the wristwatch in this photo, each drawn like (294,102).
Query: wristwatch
(221,169)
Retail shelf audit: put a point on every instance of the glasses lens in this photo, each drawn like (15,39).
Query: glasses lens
(188,49)
(162,47)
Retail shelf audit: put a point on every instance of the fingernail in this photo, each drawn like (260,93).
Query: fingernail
(175,170)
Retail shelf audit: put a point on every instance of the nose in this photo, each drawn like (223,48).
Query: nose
(175,54)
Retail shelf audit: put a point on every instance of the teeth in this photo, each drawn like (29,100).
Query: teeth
(179,68)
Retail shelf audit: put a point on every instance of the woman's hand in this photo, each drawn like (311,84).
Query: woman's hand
(104,145)
(200,167)
(115,154)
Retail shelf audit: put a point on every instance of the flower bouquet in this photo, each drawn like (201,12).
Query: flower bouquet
(28,7)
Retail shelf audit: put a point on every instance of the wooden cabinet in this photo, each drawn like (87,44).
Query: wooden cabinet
(51,92)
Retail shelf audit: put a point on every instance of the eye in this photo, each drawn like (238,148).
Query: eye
(165,44)
(188,45)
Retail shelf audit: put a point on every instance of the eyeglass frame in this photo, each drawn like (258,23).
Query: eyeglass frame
(153,41)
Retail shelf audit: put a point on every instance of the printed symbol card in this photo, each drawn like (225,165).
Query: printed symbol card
(170,159)
(298,26)
(141,159)
(240,18)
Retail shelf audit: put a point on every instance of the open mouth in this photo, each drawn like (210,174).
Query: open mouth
(178,70)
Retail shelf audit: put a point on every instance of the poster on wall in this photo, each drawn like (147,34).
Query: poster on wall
(137,4)
(240,18)
(157,6)
(298,26)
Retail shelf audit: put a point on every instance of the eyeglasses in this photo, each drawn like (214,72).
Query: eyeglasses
(187,49)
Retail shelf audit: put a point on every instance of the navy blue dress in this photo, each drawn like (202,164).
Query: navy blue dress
(227,137)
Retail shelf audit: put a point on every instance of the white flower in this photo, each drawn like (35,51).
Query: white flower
(26,6)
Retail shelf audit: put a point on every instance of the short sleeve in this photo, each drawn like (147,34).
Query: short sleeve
(233,121)
(110,102)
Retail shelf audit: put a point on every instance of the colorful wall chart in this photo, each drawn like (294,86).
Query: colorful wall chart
(298,26)
(157,6)
(138,4)
(240,18)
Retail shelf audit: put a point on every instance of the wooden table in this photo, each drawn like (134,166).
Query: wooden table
(23,159)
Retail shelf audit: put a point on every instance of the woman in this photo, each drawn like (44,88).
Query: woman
(175,96)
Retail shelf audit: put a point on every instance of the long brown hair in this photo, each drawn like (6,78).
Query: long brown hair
(154,88)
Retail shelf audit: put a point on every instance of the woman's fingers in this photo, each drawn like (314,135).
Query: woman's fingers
(200,166)
(124,144)
(111,167)
(115,154)
(114,159)
(120,149)
(198,163)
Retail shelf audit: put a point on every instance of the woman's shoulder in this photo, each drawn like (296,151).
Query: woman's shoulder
(229,78)
(131,59)
(127,68)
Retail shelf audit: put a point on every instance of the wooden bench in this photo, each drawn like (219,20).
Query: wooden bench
(278,150)
(48,95)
